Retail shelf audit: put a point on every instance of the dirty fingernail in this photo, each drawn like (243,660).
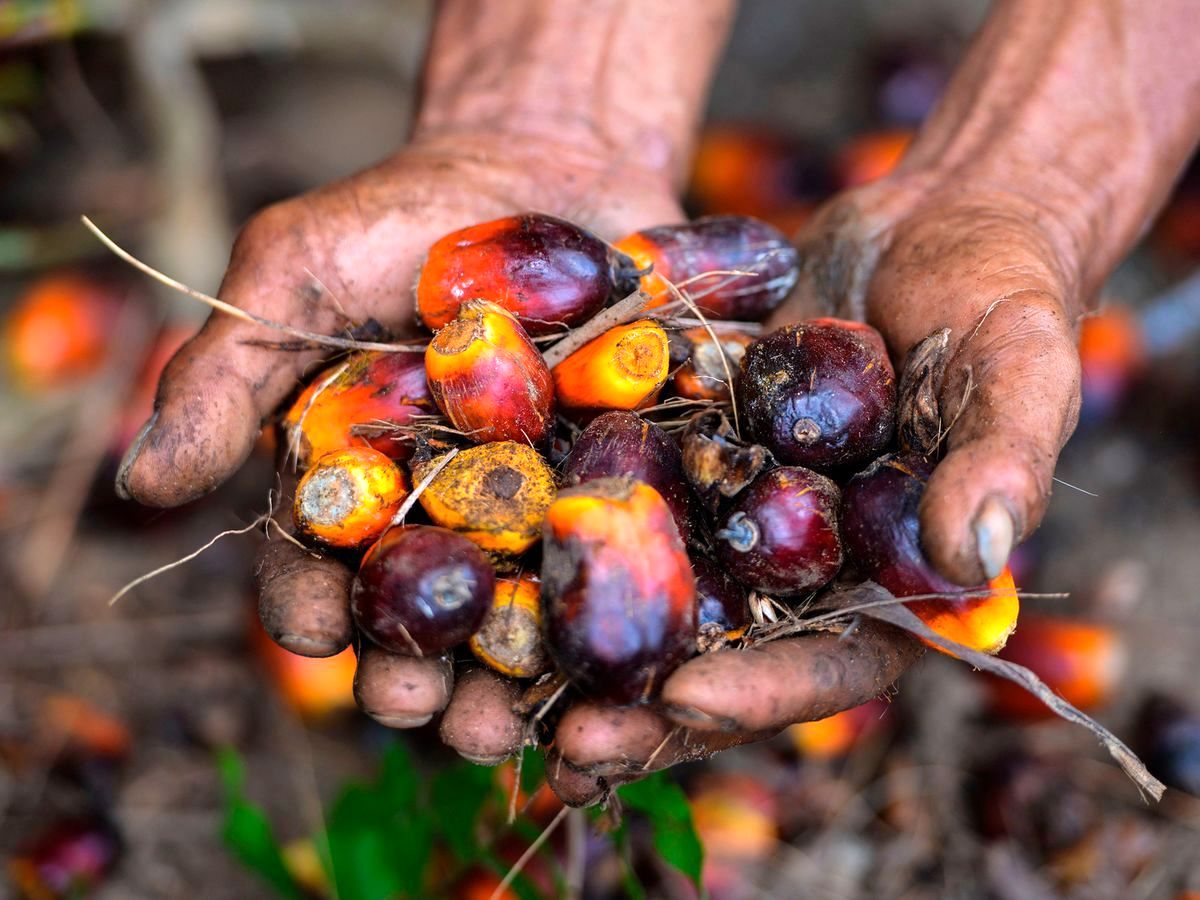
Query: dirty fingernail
(392,721)
(131,455)
(993,536)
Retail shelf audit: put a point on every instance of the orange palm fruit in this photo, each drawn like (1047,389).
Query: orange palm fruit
(871,156)
(552,275)
(488,378)
(313,687)
(684,252)
(881,533)
(510,639)
(703,376)
(493,494)
(836,735)
(618,594)
(60,331)
(349,497)
(1082,662)
(1111,354)
(354,403)
(624,368)
(736,815)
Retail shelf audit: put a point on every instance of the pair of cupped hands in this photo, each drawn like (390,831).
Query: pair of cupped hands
(911,254)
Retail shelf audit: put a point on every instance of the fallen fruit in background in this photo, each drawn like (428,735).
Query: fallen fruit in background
(510,639)
(1111,355)
(882,536)
(69,859)
(349,497)
(819,394)
(618,595)
(488,378)
(358,402)
(780,536)
(624,368)
(622,443)
(836,735)
(421,590)
(60,331)
(718,245)
(315,687)
(552,275)
(496,495)
(704,376)
(870,157)
(1083,662)
(737,819)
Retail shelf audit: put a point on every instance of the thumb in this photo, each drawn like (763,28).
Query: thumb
(1012,394)
(221,386)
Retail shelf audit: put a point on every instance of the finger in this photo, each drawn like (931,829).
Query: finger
(623,743)
(574,788)
(220,387)
(479,722)
(771,685)
(402,691)
(303,599)
(1019,375)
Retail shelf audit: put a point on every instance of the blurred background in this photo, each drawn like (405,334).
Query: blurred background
(162,747)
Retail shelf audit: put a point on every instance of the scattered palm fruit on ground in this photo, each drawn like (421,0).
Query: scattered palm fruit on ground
(882,535)
(673,521)
(1168,737)
(315,687)
(348,497)
(836,735)
(488,377)
(60,331)
(69,859)
(510,639)
(357,402)
(1111,356)
(1082,662)
(706,255)
(624,368)
(552,275)
(870,157)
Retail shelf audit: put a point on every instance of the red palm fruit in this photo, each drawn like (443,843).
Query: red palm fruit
(552,275)
(837,735)
(60,331)
(421,590)
(882,535)
(703,376)
(349,497)
(488,378)
(679,253)
(618,595)
(1082,662)
(819,394)
(69,859)
(510,639)
(620,443)
(624,368)
(780,536)
(722,610)
(353,403)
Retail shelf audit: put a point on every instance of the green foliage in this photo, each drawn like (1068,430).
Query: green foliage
(246,830)
(664,805)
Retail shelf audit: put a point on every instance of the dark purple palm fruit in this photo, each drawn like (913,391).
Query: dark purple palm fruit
(722,606)
(780,536)
(622,444)
(421,590)
(819,394)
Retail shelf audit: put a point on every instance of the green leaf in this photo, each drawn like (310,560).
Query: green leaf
(457,794)
(246,830)
(380,836)
(533,769)
(665,807)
